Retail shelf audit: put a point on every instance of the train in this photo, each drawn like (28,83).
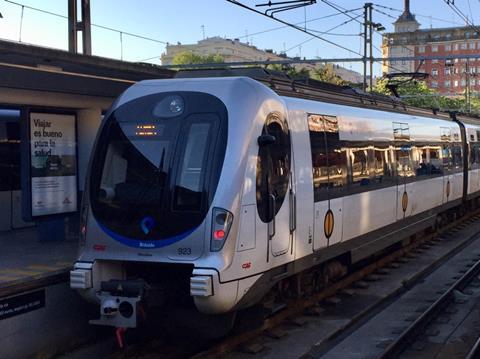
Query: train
(230,189)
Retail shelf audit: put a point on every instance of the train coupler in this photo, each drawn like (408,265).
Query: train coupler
(120,303)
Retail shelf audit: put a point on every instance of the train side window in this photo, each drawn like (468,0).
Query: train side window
(457,158)
(447,158)
(421,160)
(360,171)
(436,161)
(329,158)
(405,167)
(383,169)
(474,155)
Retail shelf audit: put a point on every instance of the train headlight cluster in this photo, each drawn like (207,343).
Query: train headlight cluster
(221,223)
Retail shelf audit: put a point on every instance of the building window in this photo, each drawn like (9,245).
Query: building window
(434,72)
(435,61)
(447,83)
(455,47)
(447,71)
(464,82)
(455,83)
(434,48)
(463,46)
(472,82)
(448,47)
(404,62)
(471,46)
(467,35)
(421,49)
(434,84)
(448,37)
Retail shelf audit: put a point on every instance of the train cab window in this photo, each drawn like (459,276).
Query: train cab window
(149,167)
(189,186)
(329,157)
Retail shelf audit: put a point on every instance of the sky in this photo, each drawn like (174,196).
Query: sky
(188,21)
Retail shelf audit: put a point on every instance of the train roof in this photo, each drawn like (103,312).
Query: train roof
(311,89)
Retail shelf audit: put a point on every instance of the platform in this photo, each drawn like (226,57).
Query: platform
(25,262)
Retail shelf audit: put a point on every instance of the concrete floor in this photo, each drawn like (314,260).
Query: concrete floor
(23,257)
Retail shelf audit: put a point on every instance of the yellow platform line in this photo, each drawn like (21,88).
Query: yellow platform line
(64,263)
(42,267)
(18,272)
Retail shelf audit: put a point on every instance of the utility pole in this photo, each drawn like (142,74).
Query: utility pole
(74,26)
(468,89)
(367,44)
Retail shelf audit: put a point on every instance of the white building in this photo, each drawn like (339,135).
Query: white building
(237,51)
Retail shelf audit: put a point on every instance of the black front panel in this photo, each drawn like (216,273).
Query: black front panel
(157,164)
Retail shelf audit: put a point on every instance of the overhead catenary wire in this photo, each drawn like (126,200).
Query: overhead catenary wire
(417,14)
(235,2)
(275,29)
(459,12)
(95,25)
(326,32)
(343,11)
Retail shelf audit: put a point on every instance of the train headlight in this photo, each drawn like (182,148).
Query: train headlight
(221,223)
(169,106)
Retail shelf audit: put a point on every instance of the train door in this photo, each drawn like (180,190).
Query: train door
(274,185)
(329,168)
(10,193)
(405,169)
(452,169)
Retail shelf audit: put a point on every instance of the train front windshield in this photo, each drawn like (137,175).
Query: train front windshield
(157,164)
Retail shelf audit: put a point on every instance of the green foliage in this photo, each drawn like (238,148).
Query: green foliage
(416,93)
(188,57)
(291,71)
(327,74)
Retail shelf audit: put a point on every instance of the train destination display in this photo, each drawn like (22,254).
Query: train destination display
(53,170)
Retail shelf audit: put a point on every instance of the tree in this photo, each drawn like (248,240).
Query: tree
(189,57)
(327,74)
(291,71)
(417,93)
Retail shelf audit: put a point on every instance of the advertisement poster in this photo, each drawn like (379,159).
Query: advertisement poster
(53,154)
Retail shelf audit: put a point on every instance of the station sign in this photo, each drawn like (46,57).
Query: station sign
(53,183)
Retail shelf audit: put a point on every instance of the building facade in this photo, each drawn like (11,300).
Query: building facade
(448,77)
(237,51)
(231,50)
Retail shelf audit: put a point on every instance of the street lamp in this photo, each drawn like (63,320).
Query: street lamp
(379,27)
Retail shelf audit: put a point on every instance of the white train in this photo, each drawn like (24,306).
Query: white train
(226,189)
